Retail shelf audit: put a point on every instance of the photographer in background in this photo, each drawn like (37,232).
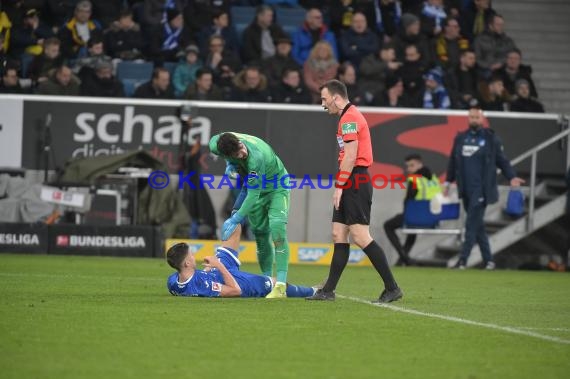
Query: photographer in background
(191,160)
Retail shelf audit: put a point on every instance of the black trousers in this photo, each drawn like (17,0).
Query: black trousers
(390,227)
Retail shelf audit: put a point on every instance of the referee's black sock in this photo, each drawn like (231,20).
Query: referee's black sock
(339,261)
(378,259)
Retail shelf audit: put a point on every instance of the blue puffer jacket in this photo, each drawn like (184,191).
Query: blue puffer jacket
(495,159)
(303,43)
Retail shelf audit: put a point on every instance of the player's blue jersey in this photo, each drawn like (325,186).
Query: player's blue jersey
(209,284)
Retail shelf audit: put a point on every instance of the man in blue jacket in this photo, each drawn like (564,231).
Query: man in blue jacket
(475,157)
(311,32)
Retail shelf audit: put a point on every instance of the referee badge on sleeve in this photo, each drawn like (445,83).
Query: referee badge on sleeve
(349,128)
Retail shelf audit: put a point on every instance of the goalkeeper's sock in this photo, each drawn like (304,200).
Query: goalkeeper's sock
(265,254)
(339,261)
(380,263)
(279,234)
(299,291)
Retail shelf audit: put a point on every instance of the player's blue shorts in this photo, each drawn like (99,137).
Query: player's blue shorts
(252,285)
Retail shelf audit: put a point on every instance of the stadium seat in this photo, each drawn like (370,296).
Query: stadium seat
(290,29)
(130,85)
(25,63)
(418,218)
(136,71)
(290,16)
(239,30)
(242,15)
(170,66)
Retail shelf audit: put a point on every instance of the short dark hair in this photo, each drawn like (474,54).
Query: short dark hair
(228,144)
(413,157)
(287,70)
(493,17)
(125,12)
(203,71)
(515,50)
(448,20)
(94,40)
(156,72)
(468,50)
(176,255)
(335,87)
(343,67)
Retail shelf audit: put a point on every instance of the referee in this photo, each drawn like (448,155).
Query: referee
(352,197)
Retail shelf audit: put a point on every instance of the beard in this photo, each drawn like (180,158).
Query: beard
(474,127)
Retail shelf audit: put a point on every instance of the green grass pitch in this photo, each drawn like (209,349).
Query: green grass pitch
(90,317)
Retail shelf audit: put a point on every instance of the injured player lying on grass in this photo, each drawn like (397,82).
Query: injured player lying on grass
(221,276)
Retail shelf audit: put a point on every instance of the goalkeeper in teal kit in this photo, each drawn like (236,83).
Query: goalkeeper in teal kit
(264,200)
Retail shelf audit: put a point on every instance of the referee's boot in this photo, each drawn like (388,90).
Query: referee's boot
(322,295)
(389,296)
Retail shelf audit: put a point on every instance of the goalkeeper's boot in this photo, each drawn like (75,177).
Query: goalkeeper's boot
(279,291)
(322,295)
(389,296)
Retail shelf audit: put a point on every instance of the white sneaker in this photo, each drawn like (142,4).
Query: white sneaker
(490,266)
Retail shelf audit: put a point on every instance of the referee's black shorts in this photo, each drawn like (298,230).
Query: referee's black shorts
(356,200)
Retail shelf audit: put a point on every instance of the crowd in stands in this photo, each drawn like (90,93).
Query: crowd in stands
(432,54)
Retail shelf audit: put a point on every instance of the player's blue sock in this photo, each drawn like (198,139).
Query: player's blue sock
(299,291)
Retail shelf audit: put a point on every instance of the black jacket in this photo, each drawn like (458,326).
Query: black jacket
(494,159)
(284,93)
(91,85)
(124,44)
(147,91)
(526,105)
(251,49)
(523,73)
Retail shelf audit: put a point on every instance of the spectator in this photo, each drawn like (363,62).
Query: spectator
(410,35)
(341,12)
(185,72)
(158,87)
(311,32)
(204,87)
(435,94)
(462,81)
(61,83)
(3,55)
(10,81)
(42,66)
(433,17)
(386,18)
(320,67)
(220,27)
(375,68)
(224,64)
(274,66)
(423,187)
(29,37)
(476,18)
(171,39)
(358,41)
(493,45)
(75,34)
(155,13)
(494,95)
(513,70)
(412,72)
(260,37)
(524,102)
(250,86)
(291,89)
(450,44)
(101,82)
(393,96)
(5,28)
(124,39)
(107,11)
(95,54)
(198,13)
(347,75)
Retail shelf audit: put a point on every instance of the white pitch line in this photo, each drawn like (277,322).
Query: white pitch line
(554,329)
(507,329)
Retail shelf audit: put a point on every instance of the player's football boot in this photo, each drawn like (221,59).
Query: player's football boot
(322,295)
(278,292)
(389,296)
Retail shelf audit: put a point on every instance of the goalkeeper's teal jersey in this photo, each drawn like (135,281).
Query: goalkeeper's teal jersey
(264,170)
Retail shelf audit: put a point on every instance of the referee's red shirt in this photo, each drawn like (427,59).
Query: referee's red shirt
(352,126)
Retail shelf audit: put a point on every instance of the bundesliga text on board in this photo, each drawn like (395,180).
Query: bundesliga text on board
(161,179)
(129,242)
(26,239)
